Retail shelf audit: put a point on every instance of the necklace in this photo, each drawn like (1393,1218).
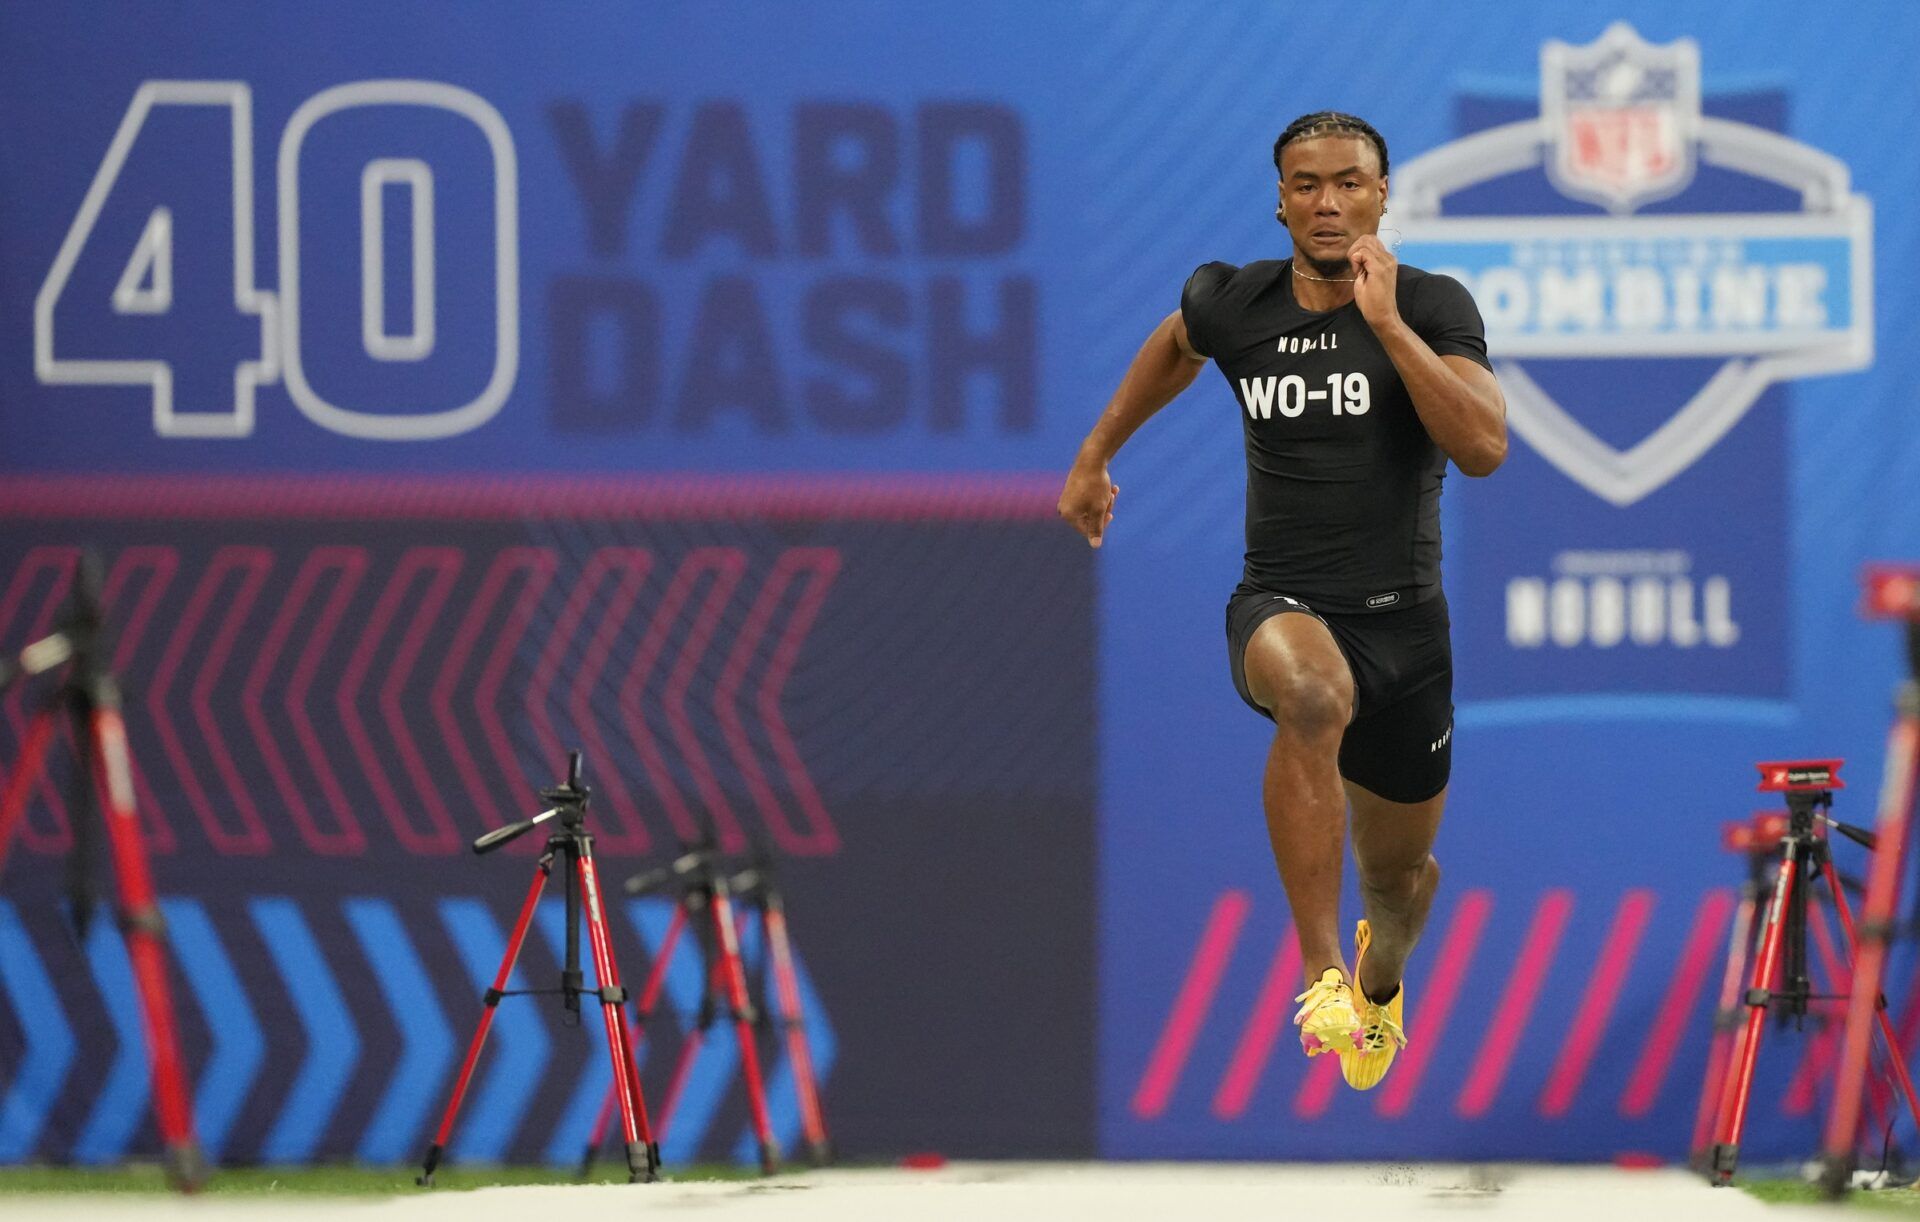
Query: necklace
(1321,279)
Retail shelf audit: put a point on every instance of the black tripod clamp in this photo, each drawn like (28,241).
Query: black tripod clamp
(693,869)
(566,802)
(759,883)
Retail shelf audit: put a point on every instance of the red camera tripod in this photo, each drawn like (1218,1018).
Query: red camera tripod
(1782,979)
(571,840)
(1891,592)
(703,903)
(759,886)
(89,697)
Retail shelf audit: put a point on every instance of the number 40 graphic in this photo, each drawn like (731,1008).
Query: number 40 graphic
(146,287)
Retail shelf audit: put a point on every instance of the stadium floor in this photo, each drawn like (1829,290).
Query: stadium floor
(1003,1192)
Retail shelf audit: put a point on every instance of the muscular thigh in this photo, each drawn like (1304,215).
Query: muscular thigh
(1293,666)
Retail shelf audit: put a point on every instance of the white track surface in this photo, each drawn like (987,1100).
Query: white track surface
(1015,1192)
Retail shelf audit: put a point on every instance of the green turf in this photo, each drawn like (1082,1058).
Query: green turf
(326,1181)
(1799,1192)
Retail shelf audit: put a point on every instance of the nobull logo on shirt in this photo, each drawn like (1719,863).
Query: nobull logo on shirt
(1655,262)
(1324,342)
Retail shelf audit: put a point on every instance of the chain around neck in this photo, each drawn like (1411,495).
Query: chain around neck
(1321,279)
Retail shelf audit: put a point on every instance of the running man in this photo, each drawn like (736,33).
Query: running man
(1357,379)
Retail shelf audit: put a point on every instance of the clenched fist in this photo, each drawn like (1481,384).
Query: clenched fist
(1376,279)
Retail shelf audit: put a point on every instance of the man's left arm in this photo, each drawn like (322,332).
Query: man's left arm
(1458,399)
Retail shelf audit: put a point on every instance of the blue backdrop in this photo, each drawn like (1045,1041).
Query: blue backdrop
(885,263)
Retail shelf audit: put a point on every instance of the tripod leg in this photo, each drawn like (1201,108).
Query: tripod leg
(650,1148)
(1733,1110)
(490,1002)
(1882,901)
(626,1073)
(793,1022)
(144,934)
(1726,1018)
(649,997)
(734,977)
(649,1165)
(1821,1048)
(1895,1056)
(13,799)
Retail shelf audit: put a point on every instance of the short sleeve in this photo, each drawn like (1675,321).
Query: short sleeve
(1449,321)
(1199,304)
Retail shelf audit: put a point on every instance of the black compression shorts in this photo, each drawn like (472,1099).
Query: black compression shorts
(1400,741)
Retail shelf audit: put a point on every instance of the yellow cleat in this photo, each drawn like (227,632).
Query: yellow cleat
(1327,1022)
(1381,1031)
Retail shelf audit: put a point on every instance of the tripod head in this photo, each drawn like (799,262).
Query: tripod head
(760,881)
(696,866)
(1762,833)
(567,803)
(1892,592)
(1808,787)
(1806,777)
(76,635)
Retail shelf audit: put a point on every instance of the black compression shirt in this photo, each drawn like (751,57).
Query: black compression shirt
(1343,483)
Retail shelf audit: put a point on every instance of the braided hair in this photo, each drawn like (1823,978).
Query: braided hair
(1329,123)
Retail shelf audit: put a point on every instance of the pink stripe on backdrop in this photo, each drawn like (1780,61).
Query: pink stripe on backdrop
(884,496)
(1270,1013)
(1670,1020)
(823,565)
(1506,1024)
(481,792)
(1442,990)
(634,565)
(1321,1084)
(443,564)
(1596,1007)
(1190,1008)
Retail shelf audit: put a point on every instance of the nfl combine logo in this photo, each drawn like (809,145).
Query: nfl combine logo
(1779,296)
(1650,258)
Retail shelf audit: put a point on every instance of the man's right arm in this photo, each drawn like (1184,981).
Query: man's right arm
(1165,365)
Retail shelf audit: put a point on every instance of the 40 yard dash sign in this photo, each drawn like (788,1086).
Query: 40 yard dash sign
(149,228)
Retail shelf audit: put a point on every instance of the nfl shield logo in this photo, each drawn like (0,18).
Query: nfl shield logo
(1622,115)
(1630,347)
